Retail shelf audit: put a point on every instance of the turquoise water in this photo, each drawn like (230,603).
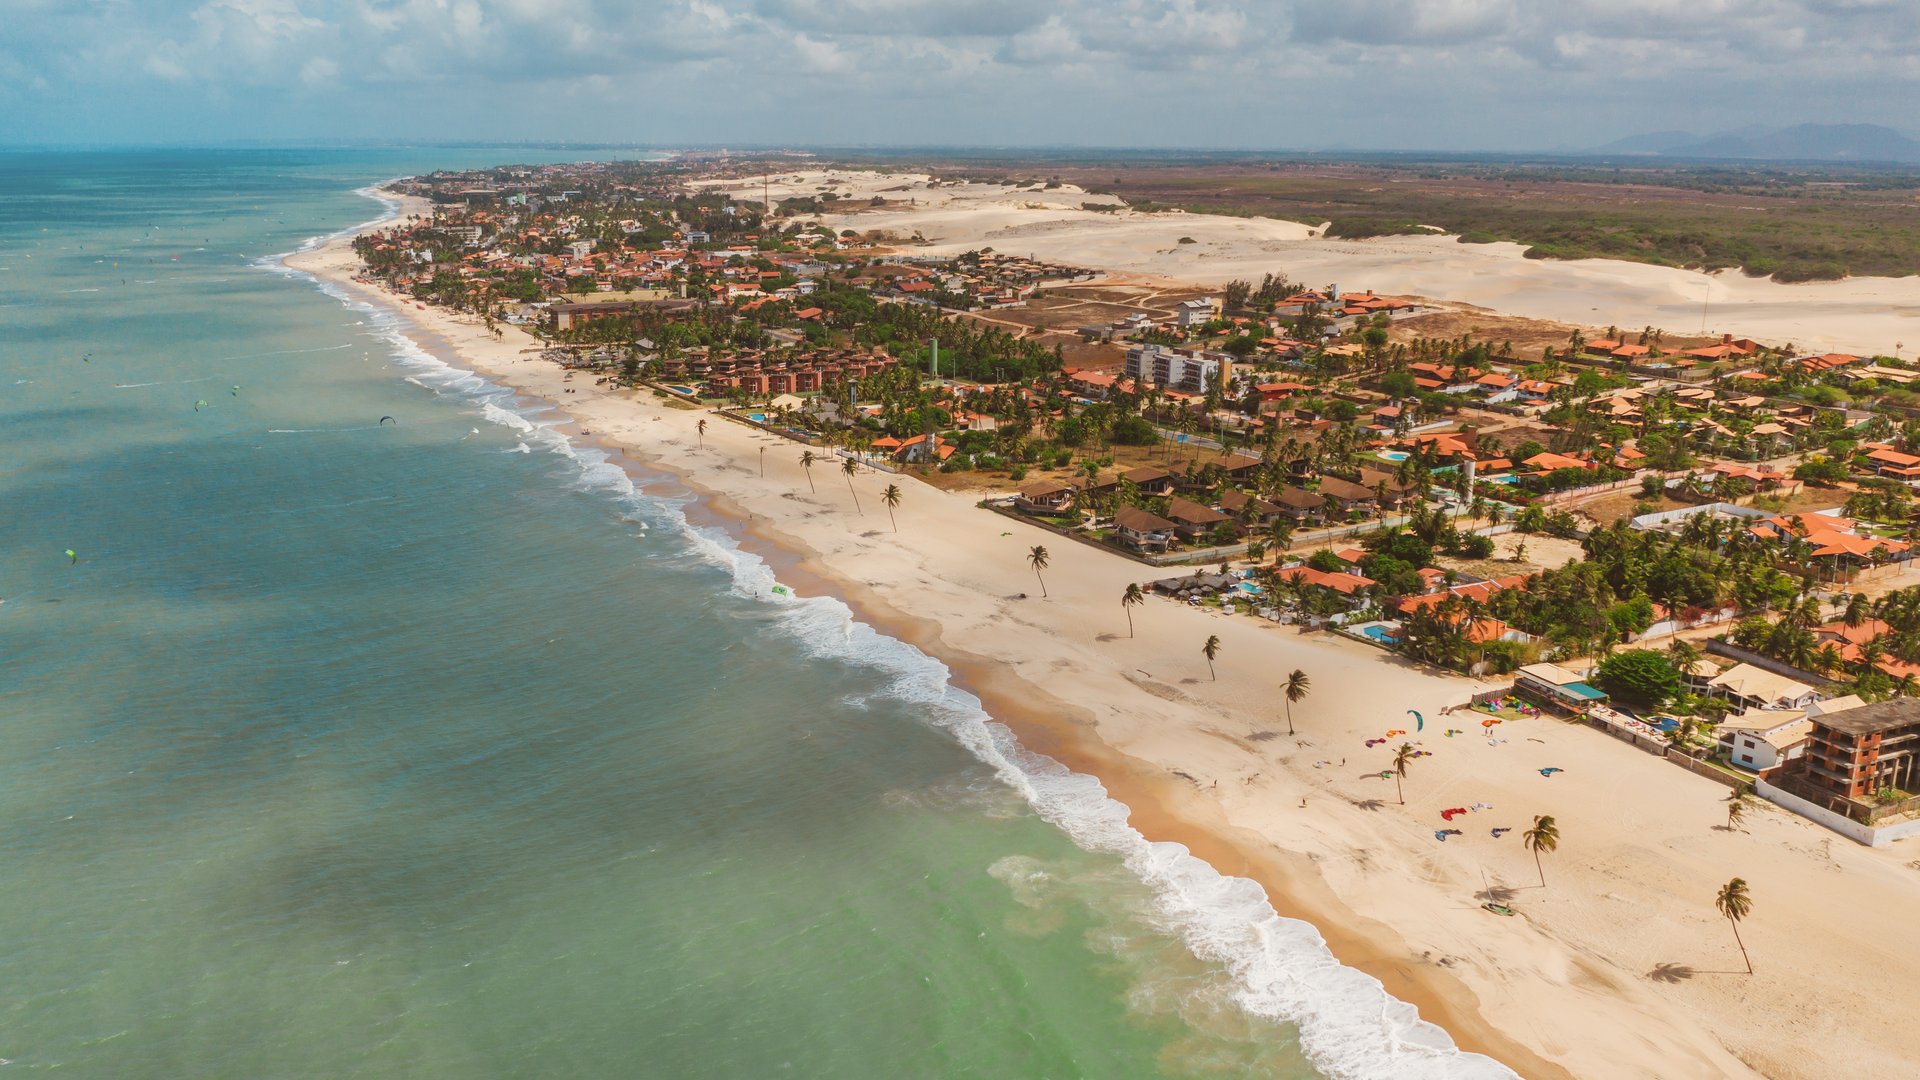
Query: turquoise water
(442,748)
(1379,633)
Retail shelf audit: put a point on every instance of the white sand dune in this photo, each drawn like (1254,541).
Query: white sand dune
(1861,315)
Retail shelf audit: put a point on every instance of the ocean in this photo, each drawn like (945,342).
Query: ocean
(448,746)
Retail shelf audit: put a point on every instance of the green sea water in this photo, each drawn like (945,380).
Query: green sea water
(447,747)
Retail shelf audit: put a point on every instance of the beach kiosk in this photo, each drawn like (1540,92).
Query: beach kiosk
(1557,688)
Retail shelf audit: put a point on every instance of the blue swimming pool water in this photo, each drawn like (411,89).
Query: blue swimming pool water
(1380,634)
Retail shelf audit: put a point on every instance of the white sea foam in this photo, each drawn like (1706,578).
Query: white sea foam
(1350,1027)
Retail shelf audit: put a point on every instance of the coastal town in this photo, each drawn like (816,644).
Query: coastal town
(1692,548)
(1723,511)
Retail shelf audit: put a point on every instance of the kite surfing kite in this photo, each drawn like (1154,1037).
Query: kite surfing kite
(1419,722)
(197,404)
(72,557)
(384,419)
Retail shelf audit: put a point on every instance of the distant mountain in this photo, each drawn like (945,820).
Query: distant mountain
(1802,142)
(1653,142)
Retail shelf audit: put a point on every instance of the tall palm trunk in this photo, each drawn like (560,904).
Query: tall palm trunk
(1742,944)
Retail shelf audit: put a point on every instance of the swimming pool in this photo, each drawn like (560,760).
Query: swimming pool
(757,417)
(1393,455)
(1248,587)
(687,390)
(1383,635)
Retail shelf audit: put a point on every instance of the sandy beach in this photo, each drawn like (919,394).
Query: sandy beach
(1618,967)
(1863,315)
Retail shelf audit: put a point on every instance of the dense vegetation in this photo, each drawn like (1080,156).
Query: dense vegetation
(1798,224)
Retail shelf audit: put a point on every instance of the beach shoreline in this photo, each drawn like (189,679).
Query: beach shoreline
(1195,762)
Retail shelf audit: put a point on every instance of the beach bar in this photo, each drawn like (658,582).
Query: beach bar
(1557,688)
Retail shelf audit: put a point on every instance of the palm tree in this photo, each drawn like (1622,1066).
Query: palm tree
(1683,654)
(1543,837)
(1296,688)
(849,467)
(700,432)
(890,498)
(1737,804)
(1133,596)
(1734,903)
(1402,758)
(1857,609)
(806,462)
(1037,558)
(1210,650)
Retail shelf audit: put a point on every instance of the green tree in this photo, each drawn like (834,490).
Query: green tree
(700,432)
(848,468)
(1642,676)
(1734,903)
(1544,836)
(1037,558)
(890,498)
(807,459)
(1402,758)
(1296,688)
(1737,805)
(1129,599)
(1210,650)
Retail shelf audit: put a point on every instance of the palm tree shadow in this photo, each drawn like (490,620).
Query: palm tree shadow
(1107,637)
(1369,804)
(1495,894)
(1671,973)
(1263,736)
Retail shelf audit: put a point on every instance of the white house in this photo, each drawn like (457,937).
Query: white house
(1765,738)
(1194,312)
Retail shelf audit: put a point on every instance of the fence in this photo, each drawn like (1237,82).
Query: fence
(1663,518)
(1845,826)
(1700,768)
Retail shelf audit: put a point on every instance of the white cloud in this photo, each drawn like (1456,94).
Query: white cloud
(1359,72)
(318,71)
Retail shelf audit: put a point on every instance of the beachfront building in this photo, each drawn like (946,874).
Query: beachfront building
(1143,531)
(1855,754)
(1745,686)
(1194,521)
(1764,739)
(1557,688)
(1045,497)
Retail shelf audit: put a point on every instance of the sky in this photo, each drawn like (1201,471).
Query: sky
(1501,75)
